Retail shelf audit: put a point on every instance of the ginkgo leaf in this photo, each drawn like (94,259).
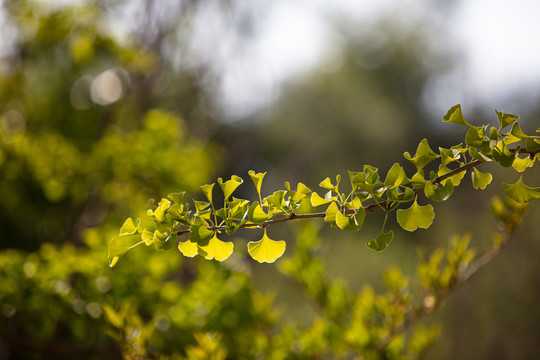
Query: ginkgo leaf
(148,237)
(518,133)
(207,190)
(396,176)
(257,180)
(423,156)
(176,197)
(317,200)
(505,119)
(438,192)
(521,192)
(454,115)
(120,246)
(330,214)
(266,249)
(257,214)
(129,227)
(522,164)
(217,249)
(188,248)
(327,183)
(382,241)
(229,186)
(417,216)
(480,180)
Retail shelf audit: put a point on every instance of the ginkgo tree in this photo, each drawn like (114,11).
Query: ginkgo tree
(436,176)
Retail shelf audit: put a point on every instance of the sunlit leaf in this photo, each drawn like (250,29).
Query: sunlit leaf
(521,192)
(256,214)
(129,227)
(505,119)
(454,115)
(480,180)
(439,192)
(147,237)
(396,176)
(207,190)
(188,248)
(351,222)
(257,180)
(199,232)
(120,246)
(517,132)
(317,200)
(456,178)
(330,214)
(276,199)
(266,249)
(303,189)
(450,155)
(382,241)
(229,186)
(176,197)
(522,164)
(424,155)
(475,137)
(217,249)
(417,216)
(327,183)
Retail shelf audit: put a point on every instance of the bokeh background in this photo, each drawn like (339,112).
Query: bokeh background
(105,104)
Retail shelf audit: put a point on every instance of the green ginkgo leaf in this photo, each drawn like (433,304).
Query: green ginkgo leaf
(454,115)
(257,214)
(503,155)
(120,246)
(317,200)
(147,237)
(217,249)
(188,248)
(438,192)
(176,197)
(207,190)
(352,222)
(522,164)
(382,241)
(229,186)
(480,180)
(423,156)
(266,249)
(129,227)
(518,133)
(521,192)
(330,214)
(417,216)
(396,176)
(257,180)
(505,119)
(327,183)
(116,250)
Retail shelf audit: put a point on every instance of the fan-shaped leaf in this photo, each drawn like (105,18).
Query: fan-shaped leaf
(266,249)
(415,217)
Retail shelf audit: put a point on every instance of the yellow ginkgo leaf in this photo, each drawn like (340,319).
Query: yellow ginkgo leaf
(266,249)
(217,249)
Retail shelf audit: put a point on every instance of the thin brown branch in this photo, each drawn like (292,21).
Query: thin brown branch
(369,208)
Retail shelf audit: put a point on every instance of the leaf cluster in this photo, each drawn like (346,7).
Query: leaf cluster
(368,190)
